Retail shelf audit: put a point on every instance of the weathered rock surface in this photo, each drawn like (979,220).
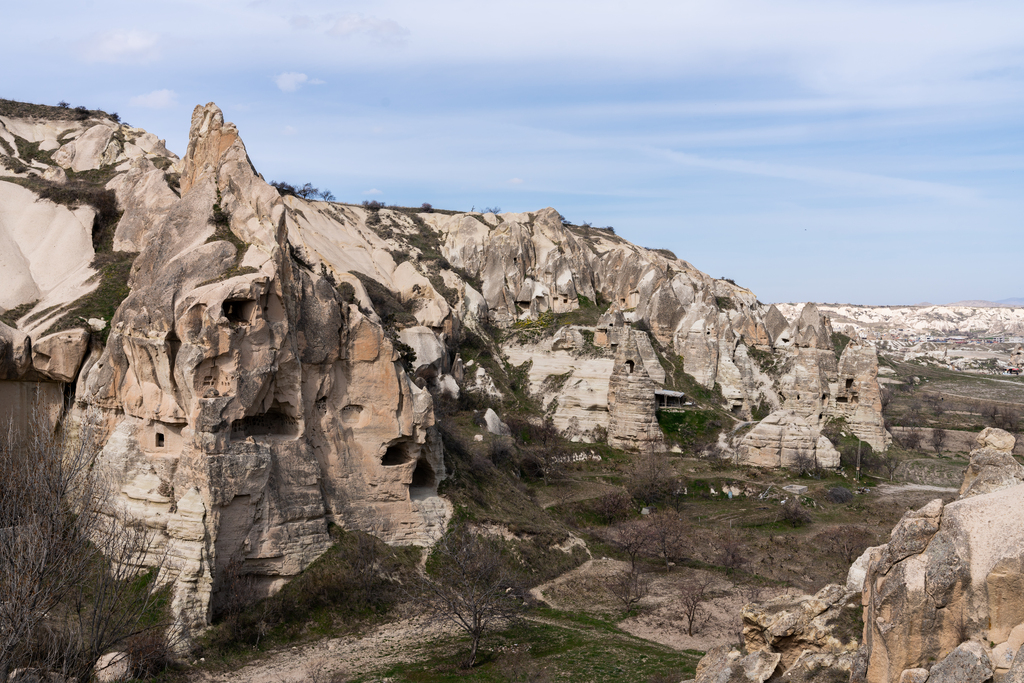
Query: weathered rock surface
(722,665)
(632,422)
(968,663)
(792,626)
(787,439)
(949,574)
(858,398)
(992,465)
(790,638)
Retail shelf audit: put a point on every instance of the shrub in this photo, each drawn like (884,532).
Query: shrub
(426,207)
(839,495)
(793,513)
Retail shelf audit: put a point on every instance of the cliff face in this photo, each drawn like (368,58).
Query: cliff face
(268,363)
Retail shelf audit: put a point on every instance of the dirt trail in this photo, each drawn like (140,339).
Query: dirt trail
(401,641)
(898,489)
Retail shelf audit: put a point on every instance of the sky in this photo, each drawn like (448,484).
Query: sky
(859,151)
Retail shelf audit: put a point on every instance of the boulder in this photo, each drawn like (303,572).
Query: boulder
(59,355)
(786,439)
(1016,672)
(997,439)
(791,625)
(495,425)
(112,667)
(949,574)
(914,676)
(723,665)
(968,663)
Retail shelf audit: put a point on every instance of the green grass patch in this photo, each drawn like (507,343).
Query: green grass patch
(691,429)
(573,647)
(114,270)
(12,315)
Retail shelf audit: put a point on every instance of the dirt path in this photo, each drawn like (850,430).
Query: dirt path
(899,489)
(401,641)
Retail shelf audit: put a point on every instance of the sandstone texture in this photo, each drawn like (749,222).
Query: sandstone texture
(949,582)
(274,363)
(790,638)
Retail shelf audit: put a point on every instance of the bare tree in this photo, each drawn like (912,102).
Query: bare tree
(890,462)
(629,586)
(939,438)
(651,479)
(730,552)
(469,583)
(633,537)
(668,533)
(73,580)
(846,541)
(910,439)
(694,592)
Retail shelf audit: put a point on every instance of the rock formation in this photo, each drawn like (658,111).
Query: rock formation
(857,397)
(787,439)
(632,424)
(268,366)
(790,638)
(948,583)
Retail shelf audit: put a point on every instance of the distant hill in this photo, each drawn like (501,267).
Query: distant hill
(981,303)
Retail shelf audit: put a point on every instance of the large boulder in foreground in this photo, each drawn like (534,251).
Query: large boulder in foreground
(951,574)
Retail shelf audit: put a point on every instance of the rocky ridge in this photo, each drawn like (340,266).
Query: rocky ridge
(273,362)
(938,320)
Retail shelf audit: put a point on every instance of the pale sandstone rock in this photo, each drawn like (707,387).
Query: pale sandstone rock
(86,152)
(246,412)
(59,355)
(914,676)
(111,667)
(632,423)
(858,571)
(722,665)
(949,573)
(990,470)
(1016,672)
(55,174)
(792,625)
(45,250)
(997,439)
(1002,655)
(814,667)
(786,439)
(495,425)
(857,397)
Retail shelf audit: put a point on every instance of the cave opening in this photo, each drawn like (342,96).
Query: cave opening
(399,454)
(423,480)
(239,311)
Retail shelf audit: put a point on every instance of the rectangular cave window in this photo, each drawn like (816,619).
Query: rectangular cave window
(159,440)
(271,423)
(849,383)
(841,399)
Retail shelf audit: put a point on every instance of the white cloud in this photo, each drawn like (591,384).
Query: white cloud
(372,191)
(515,181)
(290,81)
(383,30)
(122,46)
(158,99)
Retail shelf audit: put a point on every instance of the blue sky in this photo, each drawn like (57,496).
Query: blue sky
(861,151)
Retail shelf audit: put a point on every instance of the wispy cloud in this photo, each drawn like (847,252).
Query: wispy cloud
(515,181)
(372,191)
(158,99)
(290,81)
(121,46)
(851,180)
(382,30)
